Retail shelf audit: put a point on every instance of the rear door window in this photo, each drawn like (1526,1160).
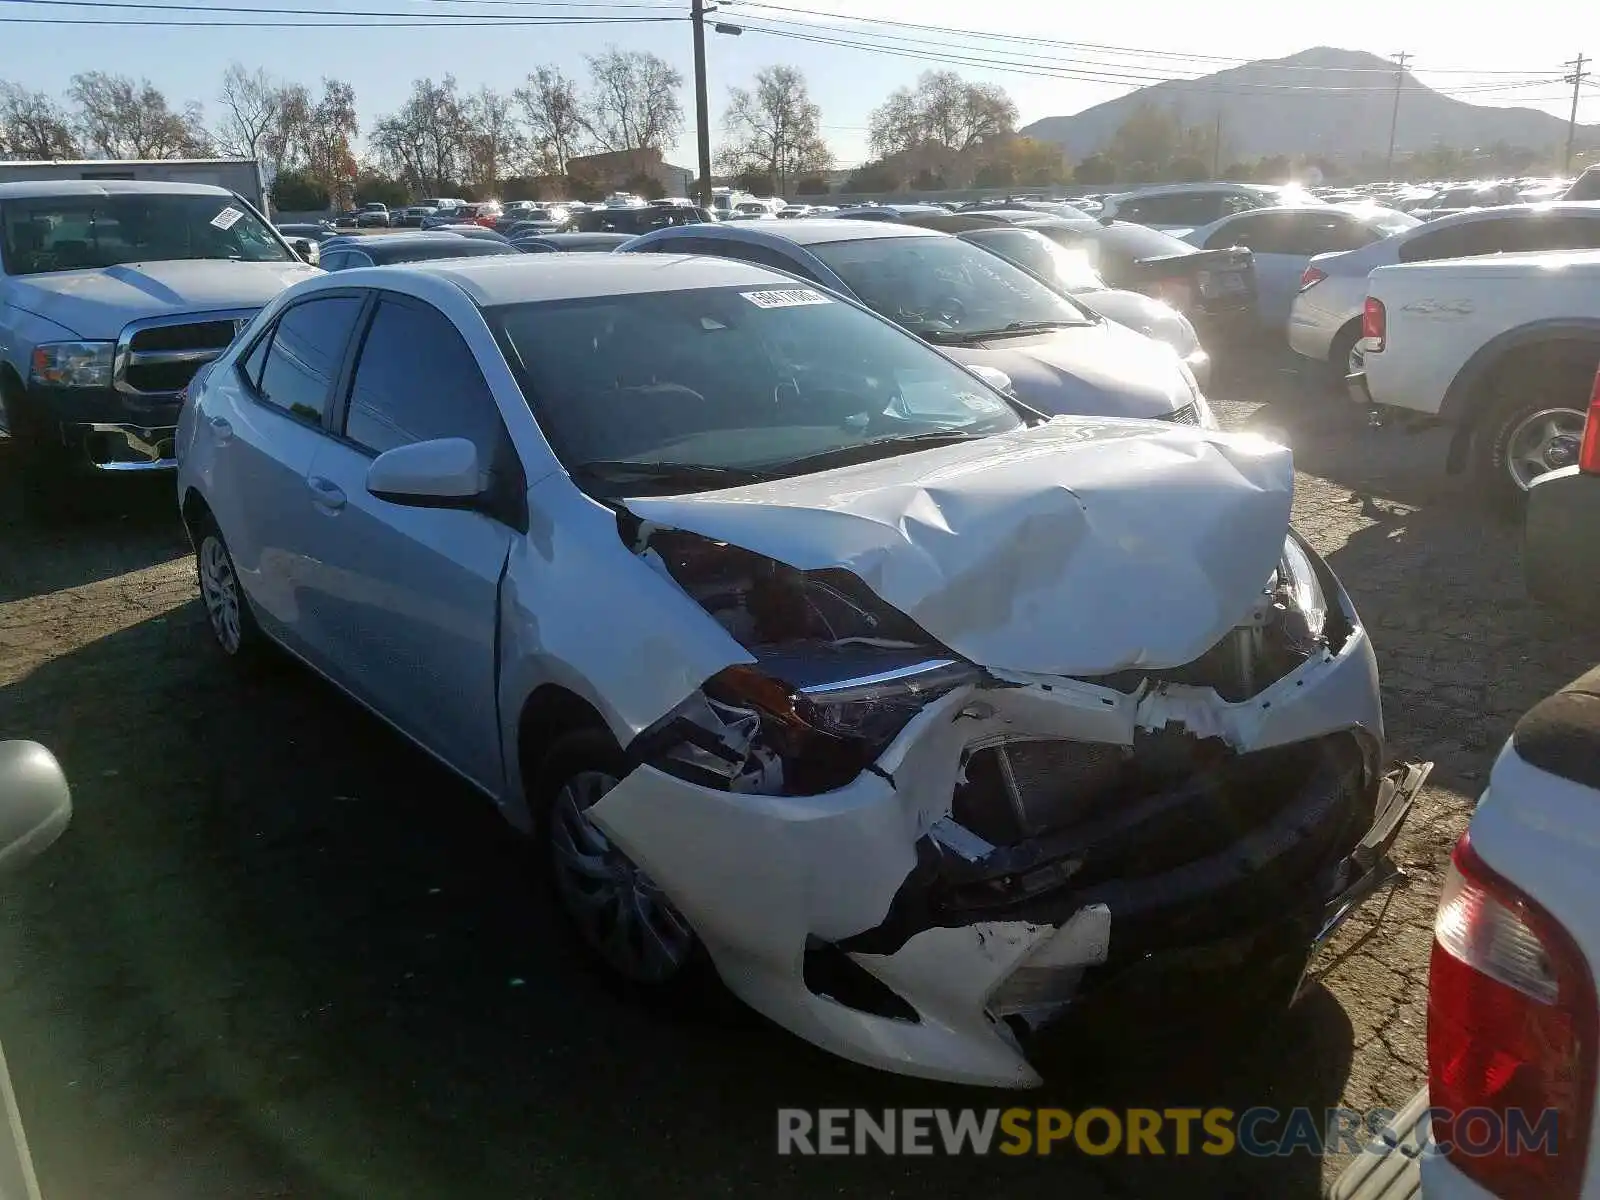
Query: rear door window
(304,355)
(1488,236)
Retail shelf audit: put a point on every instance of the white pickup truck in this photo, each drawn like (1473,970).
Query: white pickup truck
(113,294)
(1502,347)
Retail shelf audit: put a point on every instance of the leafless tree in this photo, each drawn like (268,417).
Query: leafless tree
(774,129)
(633,100)
(424,143)
(120,117)
(942,108)
(553,111)
(252,109)
(493,139)
(34,126)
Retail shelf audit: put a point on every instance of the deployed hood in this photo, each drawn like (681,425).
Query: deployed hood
(98,302)
(1072,548)
(1143,314)
(1100,370)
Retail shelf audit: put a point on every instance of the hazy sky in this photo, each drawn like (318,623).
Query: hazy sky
(1477,51)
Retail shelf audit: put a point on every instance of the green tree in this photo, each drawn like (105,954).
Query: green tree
(811,185)
(1187,169)
(1095,171)
(942,108)
(774,129)
(297,191)
(873,177)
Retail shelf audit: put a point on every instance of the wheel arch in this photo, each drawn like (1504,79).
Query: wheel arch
(1558,342)
(546,714)
(192,510)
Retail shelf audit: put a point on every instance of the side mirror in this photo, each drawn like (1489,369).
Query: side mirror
(443,473)
(306,249)
(35,803)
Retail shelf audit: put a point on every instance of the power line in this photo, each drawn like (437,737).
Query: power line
(1047,68)
(386,21)
(1099,46)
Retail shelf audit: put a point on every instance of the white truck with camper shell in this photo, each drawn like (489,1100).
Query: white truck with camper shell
(1502,347)
(112,295)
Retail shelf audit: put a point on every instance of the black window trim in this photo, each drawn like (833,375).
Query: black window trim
(507,498)
(250,387)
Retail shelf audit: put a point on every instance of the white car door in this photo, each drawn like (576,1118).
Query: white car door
(258,428)
(405,600)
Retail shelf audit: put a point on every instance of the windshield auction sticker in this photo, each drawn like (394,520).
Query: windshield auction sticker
(787,298)
(226,218)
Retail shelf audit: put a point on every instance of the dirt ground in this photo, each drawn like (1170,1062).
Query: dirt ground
(279,953)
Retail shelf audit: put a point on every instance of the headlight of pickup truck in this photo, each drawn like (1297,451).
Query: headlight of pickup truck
(73,364)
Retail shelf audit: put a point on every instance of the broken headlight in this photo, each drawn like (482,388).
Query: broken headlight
(749,731)
(1305,608)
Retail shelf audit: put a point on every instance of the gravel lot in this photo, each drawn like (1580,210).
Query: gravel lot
(281,954)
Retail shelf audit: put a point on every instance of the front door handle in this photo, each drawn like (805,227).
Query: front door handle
(326,493)
(221,429)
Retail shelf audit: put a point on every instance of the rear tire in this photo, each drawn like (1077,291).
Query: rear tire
(232,624)
(1533,425)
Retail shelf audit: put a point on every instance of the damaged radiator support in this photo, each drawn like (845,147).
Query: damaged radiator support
(1178,861)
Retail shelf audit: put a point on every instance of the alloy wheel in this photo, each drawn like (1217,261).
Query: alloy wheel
(618,909)
(219,589)
(1543,441)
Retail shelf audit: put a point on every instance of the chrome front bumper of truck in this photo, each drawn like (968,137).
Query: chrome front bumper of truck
(112,447)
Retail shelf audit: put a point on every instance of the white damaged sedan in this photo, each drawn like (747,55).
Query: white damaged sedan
(804,652)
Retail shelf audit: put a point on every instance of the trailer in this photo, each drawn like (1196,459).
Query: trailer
(239,175)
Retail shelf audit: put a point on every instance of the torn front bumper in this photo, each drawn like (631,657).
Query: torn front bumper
(871,921)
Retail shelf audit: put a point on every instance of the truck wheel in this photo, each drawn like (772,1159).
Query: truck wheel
(42,466)
(1528,431)
(1339,354)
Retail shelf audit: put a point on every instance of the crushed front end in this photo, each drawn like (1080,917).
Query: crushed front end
(918,862)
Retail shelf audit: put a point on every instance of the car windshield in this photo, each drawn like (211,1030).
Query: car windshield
(67,233)
(684,390)
(1069,270)
(944,288)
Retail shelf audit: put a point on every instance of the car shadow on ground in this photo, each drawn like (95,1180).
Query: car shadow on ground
(122,525)
(280,952)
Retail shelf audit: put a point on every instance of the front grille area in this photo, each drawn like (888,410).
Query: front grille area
(163,358)
(1187,415)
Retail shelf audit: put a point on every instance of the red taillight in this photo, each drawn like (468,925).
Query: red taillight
(1511,1037)
(1374,324)
(486,222)
(1589,454)
(1310,277)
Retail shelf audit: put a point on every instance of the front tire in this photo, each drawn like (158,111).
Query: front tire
(1529,430)
(233,626)
(624,921)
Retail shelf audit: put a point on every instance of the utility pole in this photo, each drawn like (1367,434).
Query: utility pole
(1576,80)
(702,106)
(1394,117)
(1216,146)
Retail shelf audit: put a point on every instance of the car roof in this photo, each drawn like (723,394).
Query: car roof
(29,189)
(380,249)
(530,278)
(1581,208)
(802,231)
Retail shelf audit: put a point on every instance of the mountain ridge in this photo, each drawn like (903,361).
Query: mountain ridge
(1320,101)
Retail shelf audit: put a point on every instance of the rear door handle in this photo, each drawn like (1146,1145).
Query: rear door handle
(326,493)
(221,429)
